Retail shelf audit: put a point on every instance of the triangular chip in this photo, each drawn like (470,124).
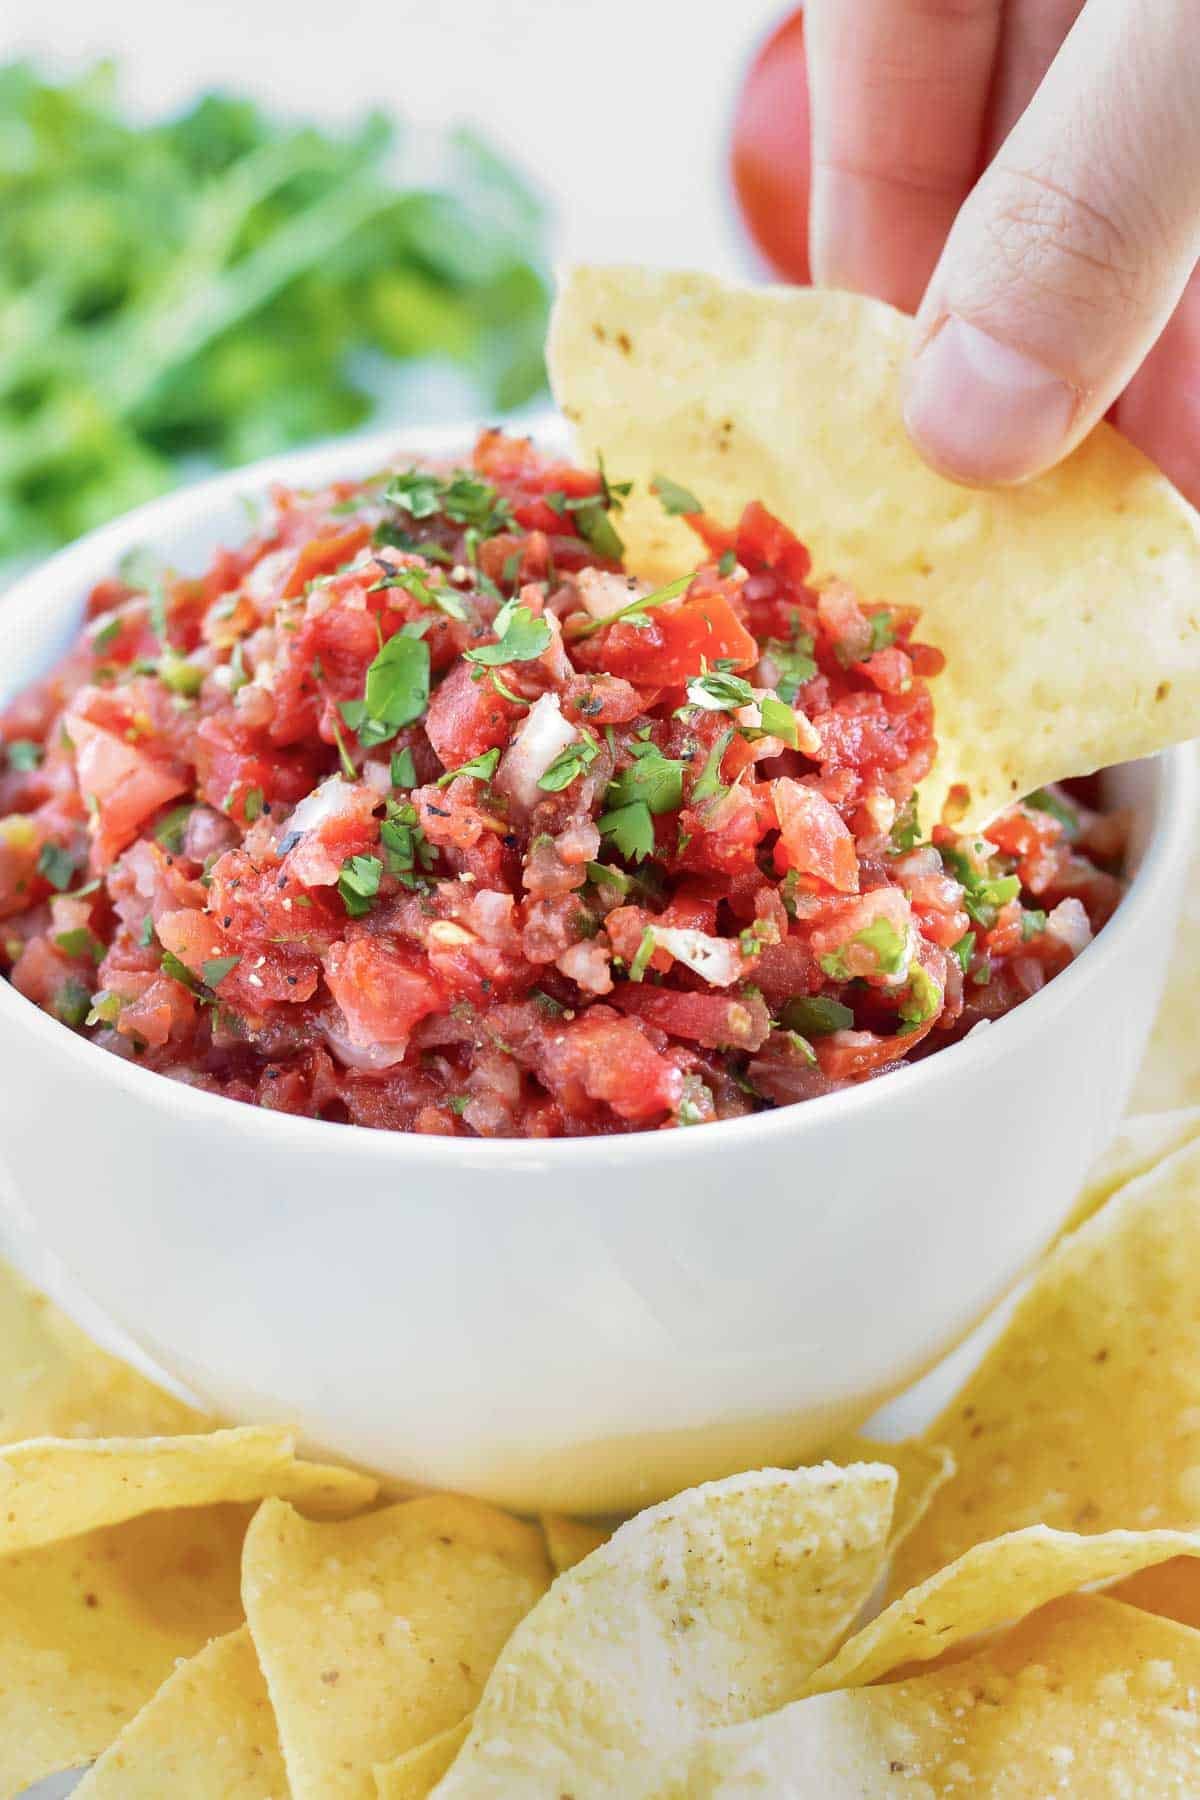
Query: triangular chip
(90,1628)
(710,1608)
(1142,1141)
(568,1541)
(208,1734)
(55,1488)
(415,1774)
(1068,609)
(54,1382)
(378,1633)
(1086,1699)
(987,1587)
(921,1469)
(1085,1413)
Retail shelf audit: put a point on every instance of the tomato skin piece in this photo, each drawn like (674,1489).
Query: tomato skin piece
(718,1021)
(765,542)
(813,837)
(674,646)
(322,556)
(770,154)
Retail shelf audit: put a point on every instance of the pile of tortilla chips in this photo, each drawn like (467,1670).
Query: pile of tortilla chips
(212,1617)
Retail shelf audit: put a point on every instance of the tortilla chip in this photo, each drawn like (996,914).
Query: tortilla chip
(1085,1413)
(91,1628)
(1068,608)
(54,1382)
(378,1633)
(1142,1141)
(1170,1072)
(987,1586)
(416,1773)
(921,1469)
(710,1608)
(208,1734)
(1086,1698)
(568,1541)
(55,1488)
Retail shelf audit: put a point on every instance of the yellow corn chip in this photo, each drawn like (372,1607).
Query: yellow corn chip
(1141,1141)
(1085,1413)
(208,1734)
(377,1634)
(1067,608)
(90,1628)
(988,1586)
(416,1773)
(1086,1699)
(54,1382)
(568,1541)
(55,1488)
(710,1608)
(1170,1588)
(921,1469)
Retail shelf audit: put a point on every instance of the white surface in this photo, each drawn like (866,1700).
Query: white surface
(570,1324)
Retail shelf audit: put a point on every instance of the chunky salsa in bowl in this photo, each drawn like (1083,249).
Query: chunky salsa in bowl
(416,811)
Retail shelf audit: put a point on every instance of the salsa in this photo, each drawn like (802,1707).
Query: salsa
(416,811)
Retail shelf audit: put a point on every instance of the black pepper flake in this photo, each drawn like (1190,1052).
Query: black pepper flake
(437,811)
(510,840)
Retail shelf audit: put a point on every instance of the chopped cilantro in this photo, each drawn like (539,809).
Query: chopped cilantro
(358,884)
(217,968)
(983,893)
(569,764)
(404,770)
(397,691)
(80,942)
(674,499)
(906,830)
(462,497)
(73,1003)
(521,637)
(964,950)
(1033,923)
(727,563)
(237,669)
(59,866)
(644,952)
(816,1015)
(883,630)
(443,598)
(596,528)
(794,661)
(652,778)
(888,945)
(778,720)
(709,782)
(482,767)
(631,829)
(599,873)
(253,805)
(178,971)
(458,1103)
(106,632)
(146,932)
(390,535)
(1045,800)
(634,613)
(416,492)
(719,691)
(24,755)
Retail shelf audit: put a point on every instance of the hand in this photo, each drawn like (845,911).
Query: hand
(1062,279)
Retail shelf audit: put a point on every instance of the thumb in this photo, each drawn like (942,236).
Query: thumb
(1068,257)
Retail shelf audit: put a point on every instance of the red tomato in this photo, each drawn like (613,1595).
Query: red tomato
(676,644)
(770,154)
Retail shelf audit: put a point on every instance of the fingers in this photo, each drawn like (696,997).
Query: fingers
(1068,258)
(899,93)
(1033,32)
(1160,409)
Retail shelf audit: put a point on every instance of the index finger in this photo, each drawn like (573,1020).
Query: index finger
(899,93)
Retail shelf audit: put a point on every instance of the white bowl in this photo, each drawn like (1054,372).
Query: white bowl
(575,1324)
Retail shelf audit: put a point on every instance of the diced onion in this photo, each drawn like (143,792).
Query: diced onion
(544,734)
(604,593)
(716,960)
(1070,924)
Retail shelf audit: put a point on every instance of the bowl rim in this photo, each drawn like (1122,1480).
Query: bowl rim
(1164,863)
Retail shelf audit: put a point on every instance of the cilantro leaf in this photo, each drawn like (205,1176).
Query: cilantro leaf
(596,528)
(59,866)
(482,767)
(443,598)
(403,769)
(80,942)
(358,884)
(24,755)
(217,968)
(779,721)
(718,691)
(644,952)
(906,829)
(653,779)
(1045,800)
(634,613)
(675,499)
(794,661)
(397,691)
(522,637)
(883,630)
(708,783)
(964,950)
(816,1015)
(178,971)
(569,764)
(631,829)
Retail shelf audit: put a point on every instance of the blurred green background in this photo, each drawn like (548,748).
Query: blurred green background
(205,290)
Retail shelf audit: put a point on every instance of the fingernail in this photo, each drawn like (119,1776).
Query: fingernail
(983,412)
